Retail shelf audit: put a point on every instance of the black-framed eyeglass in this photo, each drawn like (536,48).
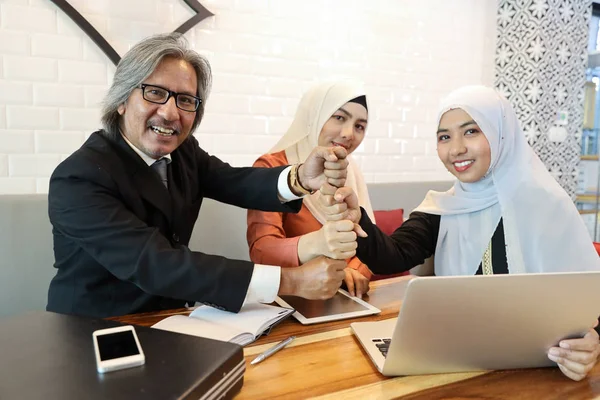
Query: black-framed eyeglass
(160,95)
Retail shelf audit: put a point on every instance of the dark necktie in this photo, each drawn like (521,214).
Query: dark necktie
(160,167)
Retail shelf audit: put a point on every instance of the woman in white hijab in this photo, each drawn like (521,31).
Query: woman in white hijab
(504,214)
(329,114)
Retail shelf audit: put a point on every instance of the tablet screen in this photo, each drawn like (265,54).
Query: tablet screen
(338,304)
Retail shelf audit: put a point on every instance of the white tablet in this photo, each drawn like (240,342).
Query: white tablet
(340,306)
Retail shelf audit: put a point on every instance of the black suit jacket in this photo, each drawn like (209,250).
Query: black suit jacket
(120,237)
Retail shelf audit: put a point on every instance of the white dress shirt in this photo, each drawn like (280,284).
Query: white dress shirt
(265,280)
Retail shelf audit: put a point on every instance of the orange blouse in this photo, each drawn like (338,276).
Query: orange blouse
(273,236)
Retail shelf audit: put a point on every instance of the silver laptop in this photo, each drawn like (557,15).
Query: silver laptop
(473,323)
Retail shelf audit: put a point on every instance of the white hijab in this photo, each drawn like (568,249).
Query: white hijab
(315,108)
(543,231)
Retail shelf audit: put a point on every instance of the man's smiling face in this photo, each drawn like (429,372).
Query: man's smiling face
(158,129)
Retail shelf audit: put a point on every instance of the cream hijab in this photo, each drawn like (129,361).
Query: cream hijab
(315,108)
(543,231)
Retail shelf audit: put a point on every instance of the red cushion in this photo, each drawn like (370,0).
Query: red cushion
(596,245)
(388,221)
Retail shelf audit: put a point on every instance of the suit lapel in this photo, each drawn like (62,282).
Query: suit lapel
(179,179)
(145,180)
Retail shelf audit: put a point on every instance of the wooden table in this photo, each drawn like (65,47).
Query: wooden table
(327,362)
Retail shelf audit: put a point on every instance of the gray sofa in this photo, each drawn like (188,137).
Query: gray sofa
(26,256)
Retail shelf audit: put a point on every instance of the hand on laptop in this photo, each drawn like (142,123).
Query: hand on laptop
(576,357)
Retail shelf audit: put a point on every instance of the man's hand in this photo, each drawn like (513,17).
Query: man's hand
(341,204)
(357,284)
(576,357)
(324,165)
(318,279)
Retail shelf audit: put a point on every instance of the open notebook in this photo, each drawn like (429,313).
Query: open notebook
(242,328)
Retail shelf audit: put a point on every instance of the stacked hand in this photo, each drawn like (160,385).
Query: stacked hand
(325,169)
(336,240)
(317,279)
(333,240)
(342,204)
(324,165)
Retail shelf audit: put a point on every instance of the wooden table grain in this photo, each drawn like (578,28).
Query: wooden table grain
(327,362)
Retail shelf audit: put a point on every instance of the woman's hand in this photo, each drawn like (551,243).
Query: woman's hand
(576,357)
(341,204)
(357,284)
(336,240)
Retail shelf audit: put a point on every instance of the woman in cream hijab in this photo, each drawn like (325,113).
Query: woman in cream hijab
(329,114)
(504,214)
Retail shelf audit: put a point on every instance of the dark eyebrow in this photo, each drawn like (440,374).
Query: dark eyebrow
(471,122)
(350,115)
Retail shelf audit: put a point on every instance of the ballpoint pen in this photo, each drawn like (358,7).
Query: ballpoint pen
(273,350)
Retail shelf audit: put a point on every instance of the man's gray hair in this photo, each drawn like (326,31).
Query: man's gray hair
(140,62)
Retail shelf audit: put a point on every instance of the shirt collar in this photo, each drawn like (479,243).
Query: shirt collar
(147,159)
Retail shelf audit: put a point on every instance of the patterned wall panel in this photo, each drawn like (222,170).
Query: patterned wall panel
(541,56)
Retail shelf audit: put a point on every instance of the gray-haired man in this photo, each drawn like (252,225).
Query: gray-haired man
(123,206)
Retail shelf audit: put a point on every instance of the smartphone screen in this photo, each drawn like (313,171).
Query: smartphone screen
(117,345)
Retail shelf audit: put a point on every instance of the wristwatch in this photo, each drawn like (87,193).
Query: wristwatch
(294,183)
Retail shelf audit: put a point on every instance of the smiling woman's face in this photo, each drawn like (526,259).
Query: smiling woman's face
(345,128)
(462,146)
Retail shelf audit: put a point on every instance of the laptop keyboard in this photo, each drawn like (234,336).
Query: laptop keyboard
(383,345)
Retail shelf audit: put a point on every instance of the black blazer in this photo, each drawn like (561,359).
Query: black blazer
(120,237)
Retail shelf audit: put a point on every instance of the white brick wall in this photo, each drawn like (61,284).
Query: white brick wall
(57,142)
(16,142)
(2,117)
(22,17)
(22,68)
(15,42)
(264,54)
(34,165)
(3,166)
(24,117)
(15,92)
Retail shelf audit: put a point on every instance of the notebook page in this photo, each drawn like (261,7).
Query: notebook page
(202,328)
(253,318)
